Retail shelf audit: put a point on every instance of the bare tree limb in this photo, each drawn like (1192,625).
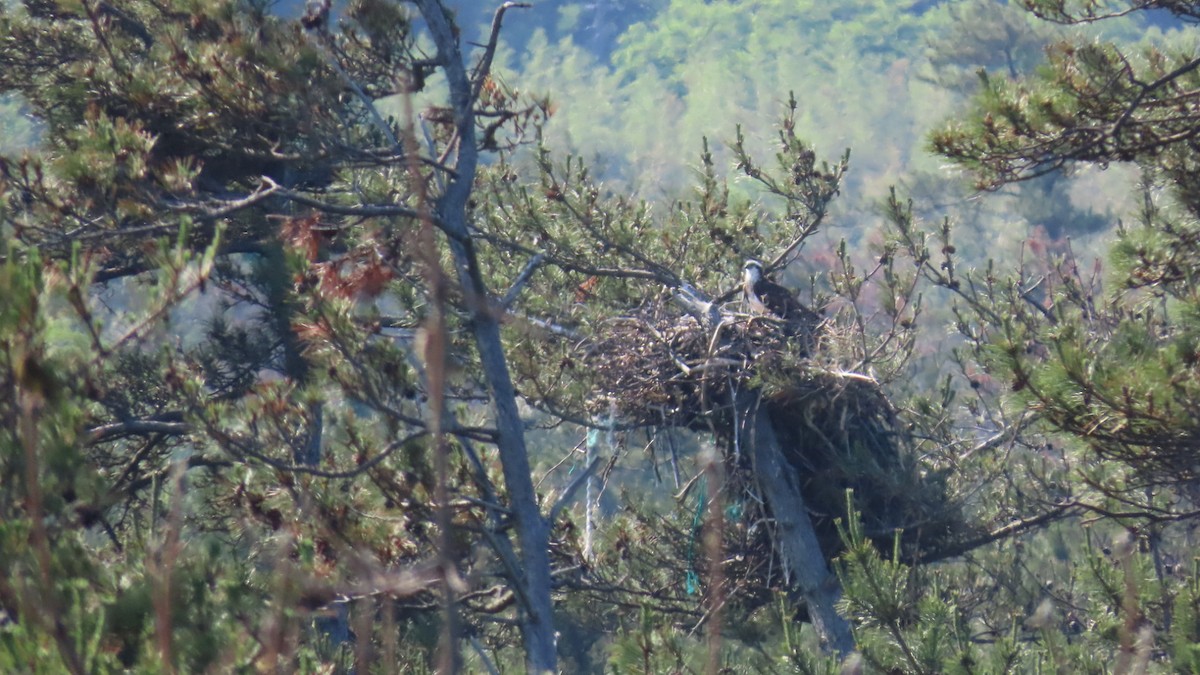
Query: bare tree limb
(314,39)
(483,68)
(1012,529)
(367,210)
(533,530)
(137,428)
(796,537)
(572,488)
(523,278)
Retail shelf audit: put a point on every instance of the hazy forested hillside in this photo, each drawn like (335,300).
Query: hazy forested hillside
(635,336)
(872,77)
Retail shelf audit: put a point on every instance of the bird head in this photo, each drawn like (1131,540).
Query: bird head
(752,270)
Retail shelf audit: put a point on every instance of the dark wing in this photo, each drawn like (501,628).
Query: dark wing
(779,301)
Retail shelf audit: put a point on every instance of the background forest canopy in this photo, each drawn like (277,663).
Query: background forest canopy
(409,336)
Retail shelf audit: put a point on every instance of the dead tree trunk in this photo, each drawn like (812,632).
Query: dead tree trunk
(794,534)
(533,530)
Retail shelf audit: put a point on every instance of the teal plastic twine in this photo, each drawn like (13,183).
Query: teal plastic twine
(693,579)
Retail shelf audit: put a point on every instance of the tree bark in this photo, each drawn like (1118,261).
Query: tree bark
(794,534)
(533,530)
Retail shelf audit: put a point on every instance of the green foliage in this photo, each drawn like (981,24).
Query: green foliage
(69,605)
(247,408)
(698,65)
(1107,359)
(1185,634)
(164,505)
(1101,613)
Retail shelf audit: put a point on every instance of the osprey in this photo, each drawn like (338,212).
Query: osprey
(767,297)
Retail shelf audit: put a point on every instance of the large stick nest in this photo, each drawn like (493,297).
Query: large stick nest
(675,371)
(838,430)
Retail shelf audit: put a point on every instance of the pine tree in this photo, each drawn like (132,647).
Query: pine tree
(246,169)
(1108,358)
